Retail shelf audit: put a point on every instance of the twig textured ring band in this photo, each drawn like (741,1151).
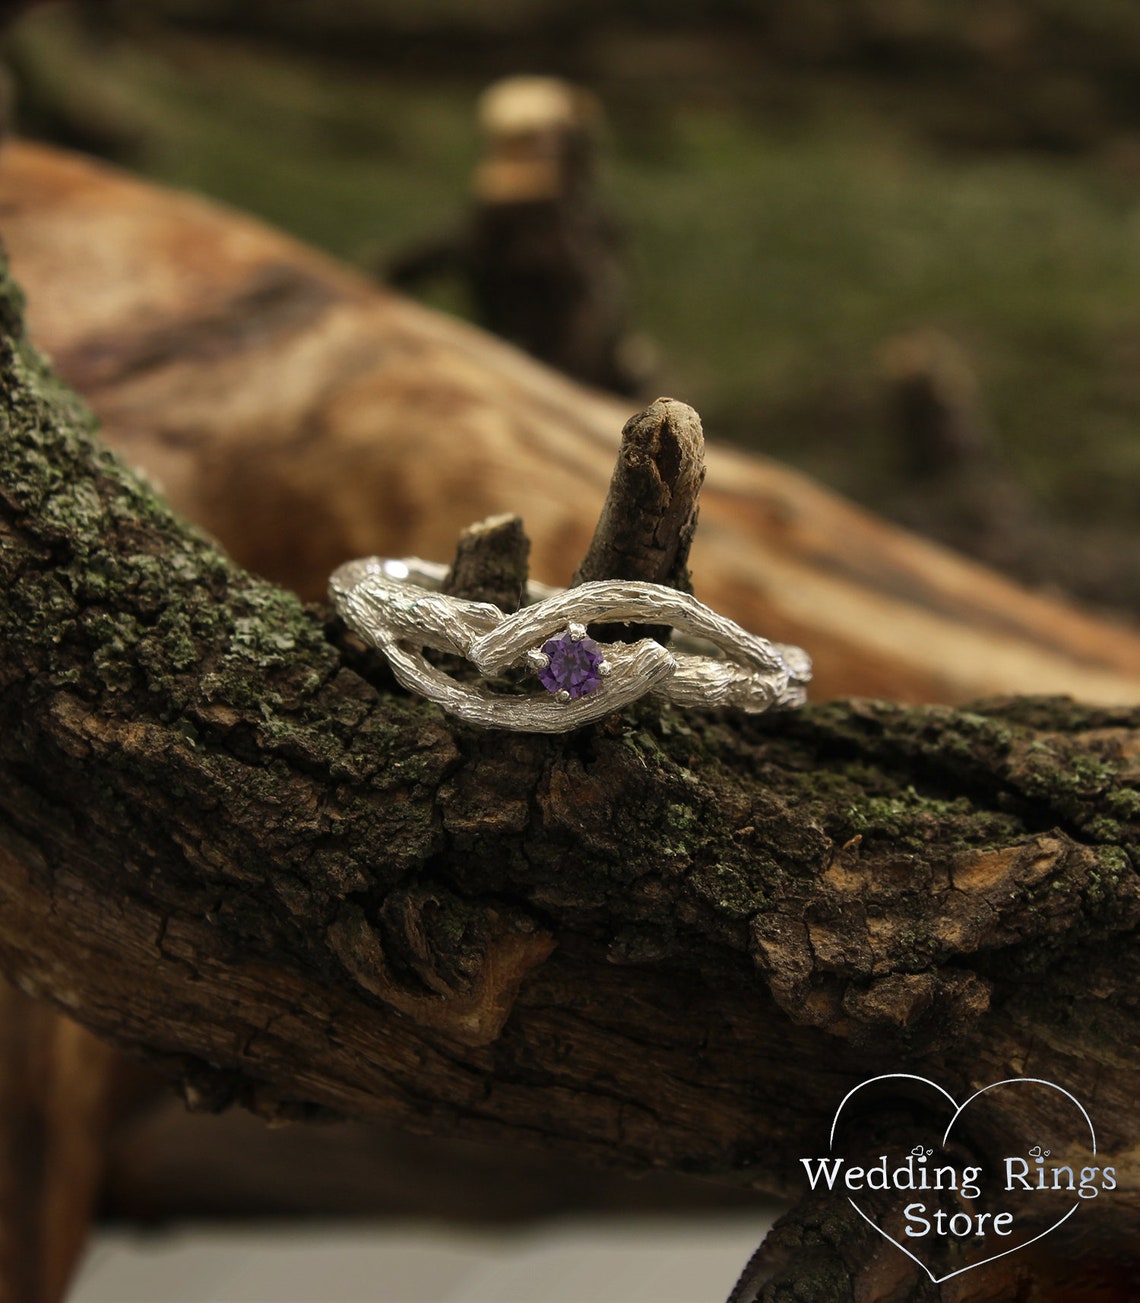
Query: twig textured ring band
(395,606)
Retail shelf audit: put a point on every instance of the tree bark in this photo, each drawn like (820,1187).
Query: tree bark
(650,513)
(673,939)
(491,563)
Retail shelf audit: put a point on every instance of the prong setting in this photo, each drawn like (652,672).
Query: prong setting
(537,659)
(562,696)
(577,631)
(605,669)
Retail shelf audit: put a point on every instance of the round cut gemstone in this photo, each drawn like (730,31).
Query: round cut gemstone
(573,665)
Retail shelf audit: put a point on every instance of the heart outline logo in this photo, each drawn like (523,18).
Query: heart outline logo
(959,1109)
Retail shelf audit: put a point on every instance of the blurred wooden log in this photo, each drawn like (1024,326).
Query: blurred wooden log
(55,1085)
(303,417)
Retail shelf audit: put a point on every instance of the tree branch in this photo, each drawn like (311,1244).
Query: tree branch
(491,563)
(672,939)
(650,513)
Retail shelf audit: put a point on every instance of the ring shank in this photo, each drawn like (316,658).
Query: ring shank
(396,605)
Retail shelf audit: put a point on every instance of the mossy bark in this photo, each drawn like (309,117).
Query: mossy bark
(228,842)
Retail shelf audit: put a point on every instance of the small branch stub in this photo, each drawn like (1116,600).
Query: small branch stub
(491,563)
(650,513)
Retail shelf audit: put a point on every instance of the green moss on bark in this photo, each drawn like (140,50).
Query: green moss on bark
(211,744)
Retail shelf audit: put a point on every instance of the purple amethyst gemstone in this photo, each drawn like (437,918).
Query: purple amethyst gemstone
(573,666)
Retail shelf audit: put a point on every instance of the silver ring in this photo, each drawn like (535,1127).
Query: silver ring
(394,605)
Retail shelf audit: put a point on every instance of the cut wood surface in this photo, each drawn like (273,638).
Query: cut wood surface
(304,416)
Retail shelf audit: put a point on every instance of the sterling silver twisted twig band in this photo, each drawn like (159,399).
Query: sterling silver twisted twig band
(393,605)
